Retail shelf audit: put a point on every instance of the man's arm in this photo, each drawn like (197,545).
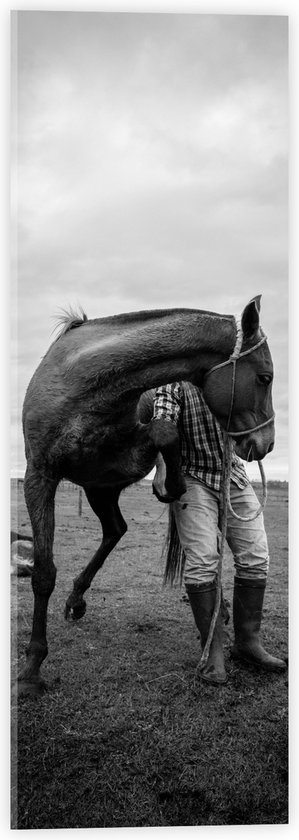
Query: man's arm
(167,402)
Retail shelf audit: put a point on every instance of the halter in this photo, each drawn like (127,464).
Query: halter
(235,355)
(228,434)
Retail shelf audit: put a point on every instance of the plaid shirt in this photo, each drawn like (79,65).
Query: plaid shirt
(200,434)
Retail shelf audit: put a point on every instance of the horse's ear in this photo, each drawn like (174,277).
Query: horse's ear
(251,317)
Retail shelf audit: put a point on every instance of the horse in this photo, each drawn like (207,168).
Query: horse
(87,417)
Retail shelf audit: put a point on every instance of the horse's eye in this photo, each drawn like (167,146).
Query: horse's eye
(265,378)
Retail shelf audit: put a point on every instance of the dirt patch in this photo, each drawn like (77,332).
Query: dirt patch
(126,735)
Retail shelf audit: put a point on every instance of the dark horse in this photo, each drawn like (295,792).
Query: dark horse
(85,419)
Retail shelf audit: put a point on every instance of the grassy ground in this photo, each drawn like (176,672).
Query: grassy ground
(126,734)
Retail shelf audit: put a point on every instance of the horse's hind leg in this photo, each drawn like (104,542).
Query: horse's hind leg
(40,495)
(104,502)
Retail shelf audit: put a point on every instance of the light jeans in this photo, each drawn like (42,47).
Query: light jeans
(196,514)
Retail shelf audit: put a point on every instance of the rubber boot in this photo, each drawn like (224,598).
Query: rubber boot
(247,612)
(202,601)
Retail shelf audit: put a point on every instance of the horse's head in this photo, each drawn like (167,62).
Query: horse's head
(239,391)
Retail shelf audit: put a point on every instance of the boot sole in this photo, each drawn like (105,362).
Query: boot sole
(212,681)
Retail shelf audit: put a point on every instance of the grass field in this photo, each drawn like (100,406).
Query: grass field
(126,735)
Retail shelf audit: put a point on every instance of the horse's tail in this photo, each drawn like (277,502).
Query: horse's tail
(175,557)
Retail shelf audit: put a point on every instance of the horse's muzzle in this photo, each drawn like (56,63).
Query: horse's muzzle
(253,448)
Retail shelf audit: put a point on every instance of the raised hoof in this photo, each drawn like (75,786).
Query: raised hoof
(75,612)
(30,688)
(165,499)
(168,497)
(175,489)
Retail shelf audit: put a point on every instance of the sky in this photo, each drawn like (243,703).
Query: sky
(149,170)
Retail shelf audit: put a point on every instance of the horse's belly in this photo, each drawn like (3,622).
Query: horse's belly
(112,468)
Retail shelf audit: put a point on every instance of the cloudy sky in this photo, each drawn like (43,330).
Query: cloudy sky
(149,171)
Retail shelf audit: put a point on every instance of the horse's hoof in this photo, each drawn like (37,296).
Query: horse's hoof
(165,499)
(30,688)
(79,610)
(75,611)
(175,489)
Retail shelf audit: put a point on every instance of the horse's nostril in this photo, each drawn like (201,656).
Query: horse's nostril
(270,447)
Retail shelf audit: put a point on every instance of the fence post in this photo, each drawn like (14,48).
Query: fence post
(80,502)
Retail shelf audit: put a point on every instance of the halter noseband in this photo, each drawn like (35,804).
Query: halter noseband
(235,355)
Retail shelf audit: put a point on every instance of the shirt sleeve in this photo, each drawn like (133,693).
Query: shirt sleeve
(168,402)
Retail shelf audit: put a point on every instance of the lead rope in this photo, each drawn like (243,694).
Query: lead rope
(225,482)
(225,506)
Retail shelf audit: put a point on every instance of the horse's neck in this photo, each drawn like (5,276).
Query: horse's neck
(185,339)
(163,348)
(190,347)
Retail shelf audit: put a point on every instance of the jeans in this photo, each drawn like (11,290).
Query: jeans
(196,514)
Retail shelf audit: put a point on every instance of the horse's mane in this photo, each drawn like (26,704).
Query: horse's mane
(68,319)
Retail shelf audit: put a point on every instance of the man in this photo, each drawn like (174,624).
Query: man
(197,515)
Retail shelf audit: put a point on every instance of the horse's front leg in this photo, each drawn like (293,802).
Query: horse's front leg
(39,494)
(169,483)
